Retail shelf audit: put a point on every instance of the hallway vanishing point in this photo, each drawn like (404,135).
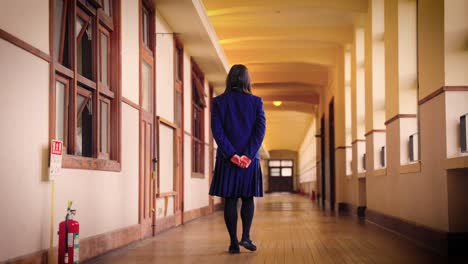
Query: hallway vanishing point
(287,228)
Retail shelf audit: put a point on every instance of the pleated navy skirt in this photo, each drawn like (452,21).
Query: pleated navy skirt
(229,180)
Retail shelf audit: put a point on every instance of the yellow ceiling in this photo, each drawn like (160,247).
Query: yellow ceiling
(289,46)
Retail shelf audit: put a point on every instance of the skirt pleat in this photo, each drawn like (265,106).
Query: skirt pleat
(231,181)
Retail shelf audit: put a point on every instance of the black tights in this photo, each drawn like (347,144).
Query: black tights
(230,217)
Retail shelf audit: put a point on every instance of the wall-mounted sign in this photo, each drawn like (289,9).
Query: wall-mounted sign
(55,169)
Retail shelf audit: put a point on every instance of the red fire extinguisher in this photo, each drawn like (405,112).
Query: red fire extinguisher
(68,250)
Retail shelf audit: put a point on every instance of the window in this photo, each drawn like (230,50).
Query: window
(178,81)
(85,101)
(198,120)
(281,168)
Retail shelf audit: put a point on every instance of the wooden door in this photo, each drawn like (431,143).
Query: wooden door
(148,160)
(148,169)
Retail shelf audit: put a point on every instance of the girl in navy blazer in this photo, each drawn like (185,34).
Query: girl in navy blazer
(238,126)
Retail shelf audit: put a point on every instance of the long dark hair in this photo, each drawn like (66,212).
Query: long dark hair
(238,80)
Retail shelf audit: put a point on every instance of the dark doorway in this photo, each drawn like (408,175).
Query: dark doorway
(322,159)
(281,173)
(331,131)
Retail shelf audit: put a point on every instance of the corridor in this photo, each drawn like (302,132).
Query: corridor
(361,111)
(287,228)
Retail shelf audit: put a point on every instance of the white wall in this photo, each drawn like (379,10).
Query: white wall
(164,69)
(13,14)
(307,156)
(130,52)
(24,196)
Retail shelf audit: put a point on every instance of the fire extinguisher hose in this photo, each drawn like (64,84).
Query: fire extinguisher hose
(66,232)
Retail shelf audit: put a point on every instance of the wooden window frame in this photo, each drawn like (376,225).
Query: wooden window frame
(280,167)
(91,11)
(198,137)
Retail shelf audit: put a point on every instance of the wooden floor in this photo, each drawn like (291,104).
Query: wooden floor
(287,229)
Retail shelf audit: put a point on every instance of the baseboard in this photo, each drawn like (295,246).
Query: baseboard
(163,224)
(94,246)
(349,209)
(442,242)
(38,257)
(195,213)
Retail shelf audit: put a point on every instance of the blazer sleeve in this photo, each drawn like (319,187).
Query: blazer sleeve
(218,132)
(258,132)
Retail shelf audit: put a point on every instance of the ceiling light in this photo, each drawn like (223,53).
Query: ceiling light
(277,103)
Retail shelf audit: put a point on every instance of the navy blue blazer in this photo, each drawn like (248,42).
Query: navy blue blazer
(238,124)
(238,127)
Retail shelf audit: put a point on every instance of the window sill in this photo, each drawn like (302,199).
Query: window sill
(198,175)
(84,163)
(349,176)
(361,175)
(410,168)
(380,172)
(456,163)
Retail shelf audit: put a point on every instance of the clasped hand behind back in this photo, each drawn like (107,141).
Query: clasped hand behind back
(241,161)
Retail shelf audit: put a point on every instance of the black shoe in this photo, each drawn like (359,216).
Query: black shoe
(234,249)
(248,244)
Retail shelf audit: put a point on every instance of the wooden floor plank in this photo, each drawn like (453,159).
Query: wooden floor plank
(287,229)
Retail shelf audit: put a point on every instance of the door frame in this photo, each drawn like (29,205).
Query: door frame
(322,160)
(331,152)
(180,135)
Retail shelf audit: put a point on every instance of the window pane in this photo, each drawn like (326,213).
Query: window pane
(57,27)
(147,86)
(178,63)
(84,128)
(104,126)
(104,59)
(286,163)
(145,28)
(274,172)
(274,163)
(106,7)
(60,111)
(84,50)
(286,172)
(78,26)
(178,109)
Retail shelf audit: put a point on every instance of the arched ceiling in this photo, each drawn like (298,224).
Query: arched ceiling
(289,47)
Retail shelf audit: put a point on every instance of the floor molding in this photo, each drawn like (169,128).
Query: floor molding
(356,211)
(163,224)
(444,243)
(195,213)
